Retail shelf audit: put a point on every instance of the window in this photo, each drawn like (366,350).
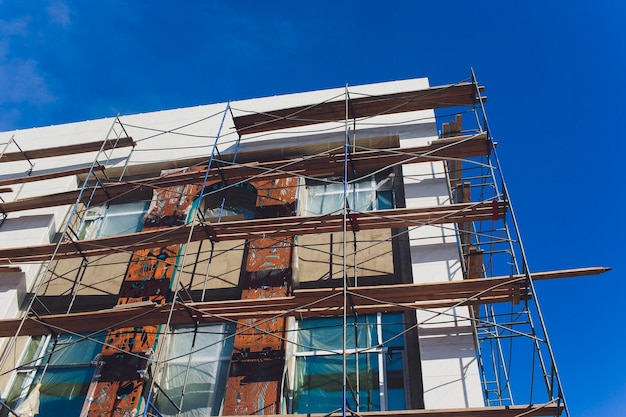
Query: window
(204,372)
(375,345)
(68,374)
(371,193)
(237,201)
(113,219)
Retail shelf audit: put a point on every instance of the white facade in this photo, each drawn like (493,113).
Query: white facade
(178,138)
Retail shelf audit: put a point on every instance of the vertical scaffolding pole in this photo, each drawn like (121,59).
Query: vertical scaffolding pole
(344,394)
(176,277)
(548,376)
(63,231)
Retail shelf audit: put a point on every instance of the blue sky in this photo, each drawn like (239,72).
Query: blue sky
(556,104)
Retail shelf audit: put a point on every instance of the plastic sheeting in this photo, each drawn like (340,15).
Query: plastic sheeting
(63,388)
(30,406)
(371,193)
(237,200)
(328,198)
(64,391)
(319,387)
(208,370)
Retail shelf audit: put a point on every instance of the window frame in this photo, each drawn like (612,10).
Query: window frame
(34,363)
(377,347)
(101,213)
(223,359)
(379,184)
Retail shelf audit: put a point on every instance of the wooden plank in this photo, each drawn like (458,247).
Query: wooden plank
(474,259)
(454,166)
(259,228)
(67,149)
(6,190)
(64,198)
(569,273)
(445,129)
(534,410)
(301,303)
(454,127)
(462,94)
(323,165)
(462,192)
(11,268)
(50,175)
(458,124)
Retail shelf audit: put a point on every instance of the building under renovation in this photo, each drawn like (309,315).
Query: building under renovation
(349,251)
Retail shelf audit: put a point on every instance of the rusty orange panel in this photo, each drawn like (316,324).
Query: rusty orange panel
(265,339)
(254,383)
(276,198)
(254,387)
(269,253)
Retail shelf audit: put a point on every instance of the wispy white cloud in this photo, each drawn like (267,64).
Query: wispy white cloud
(14,27)
(8,118)
(10,29)
(21,81)
(59,13)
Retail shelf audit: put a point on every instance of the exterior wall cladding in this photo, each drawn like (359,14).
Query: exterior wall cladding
(278,281)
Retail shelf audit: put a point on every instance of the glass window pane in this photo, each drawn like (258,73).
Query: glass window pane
(63,391)
(234,201)
(363,199)
(369,388)
(208,370)
(318,384)
(66,380)
(73,349)
(319,387)
(325,334)
(319,373)
(395,380)
(384,200)
(324,199)
(15,392)
(122,219)
(112,220)
(393,328)
(366,194)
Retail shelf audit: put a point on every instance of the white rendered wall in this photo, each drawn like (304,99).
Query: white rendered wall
(449,368)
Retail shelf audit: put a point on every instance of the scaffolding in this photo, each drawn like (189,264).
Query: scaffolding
(516,364)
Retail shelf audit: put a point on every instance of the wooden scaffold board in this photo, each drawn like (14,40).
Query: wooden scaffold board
(309,302)
(259,228)
(322,165)
(462,94)
(68,149)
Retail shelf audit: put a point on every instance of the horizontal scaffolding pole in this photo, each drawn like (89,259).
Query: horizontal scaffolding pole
(462,94)
(320,165)
(303,303)
(535,410)
(277,228)
(68,149)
